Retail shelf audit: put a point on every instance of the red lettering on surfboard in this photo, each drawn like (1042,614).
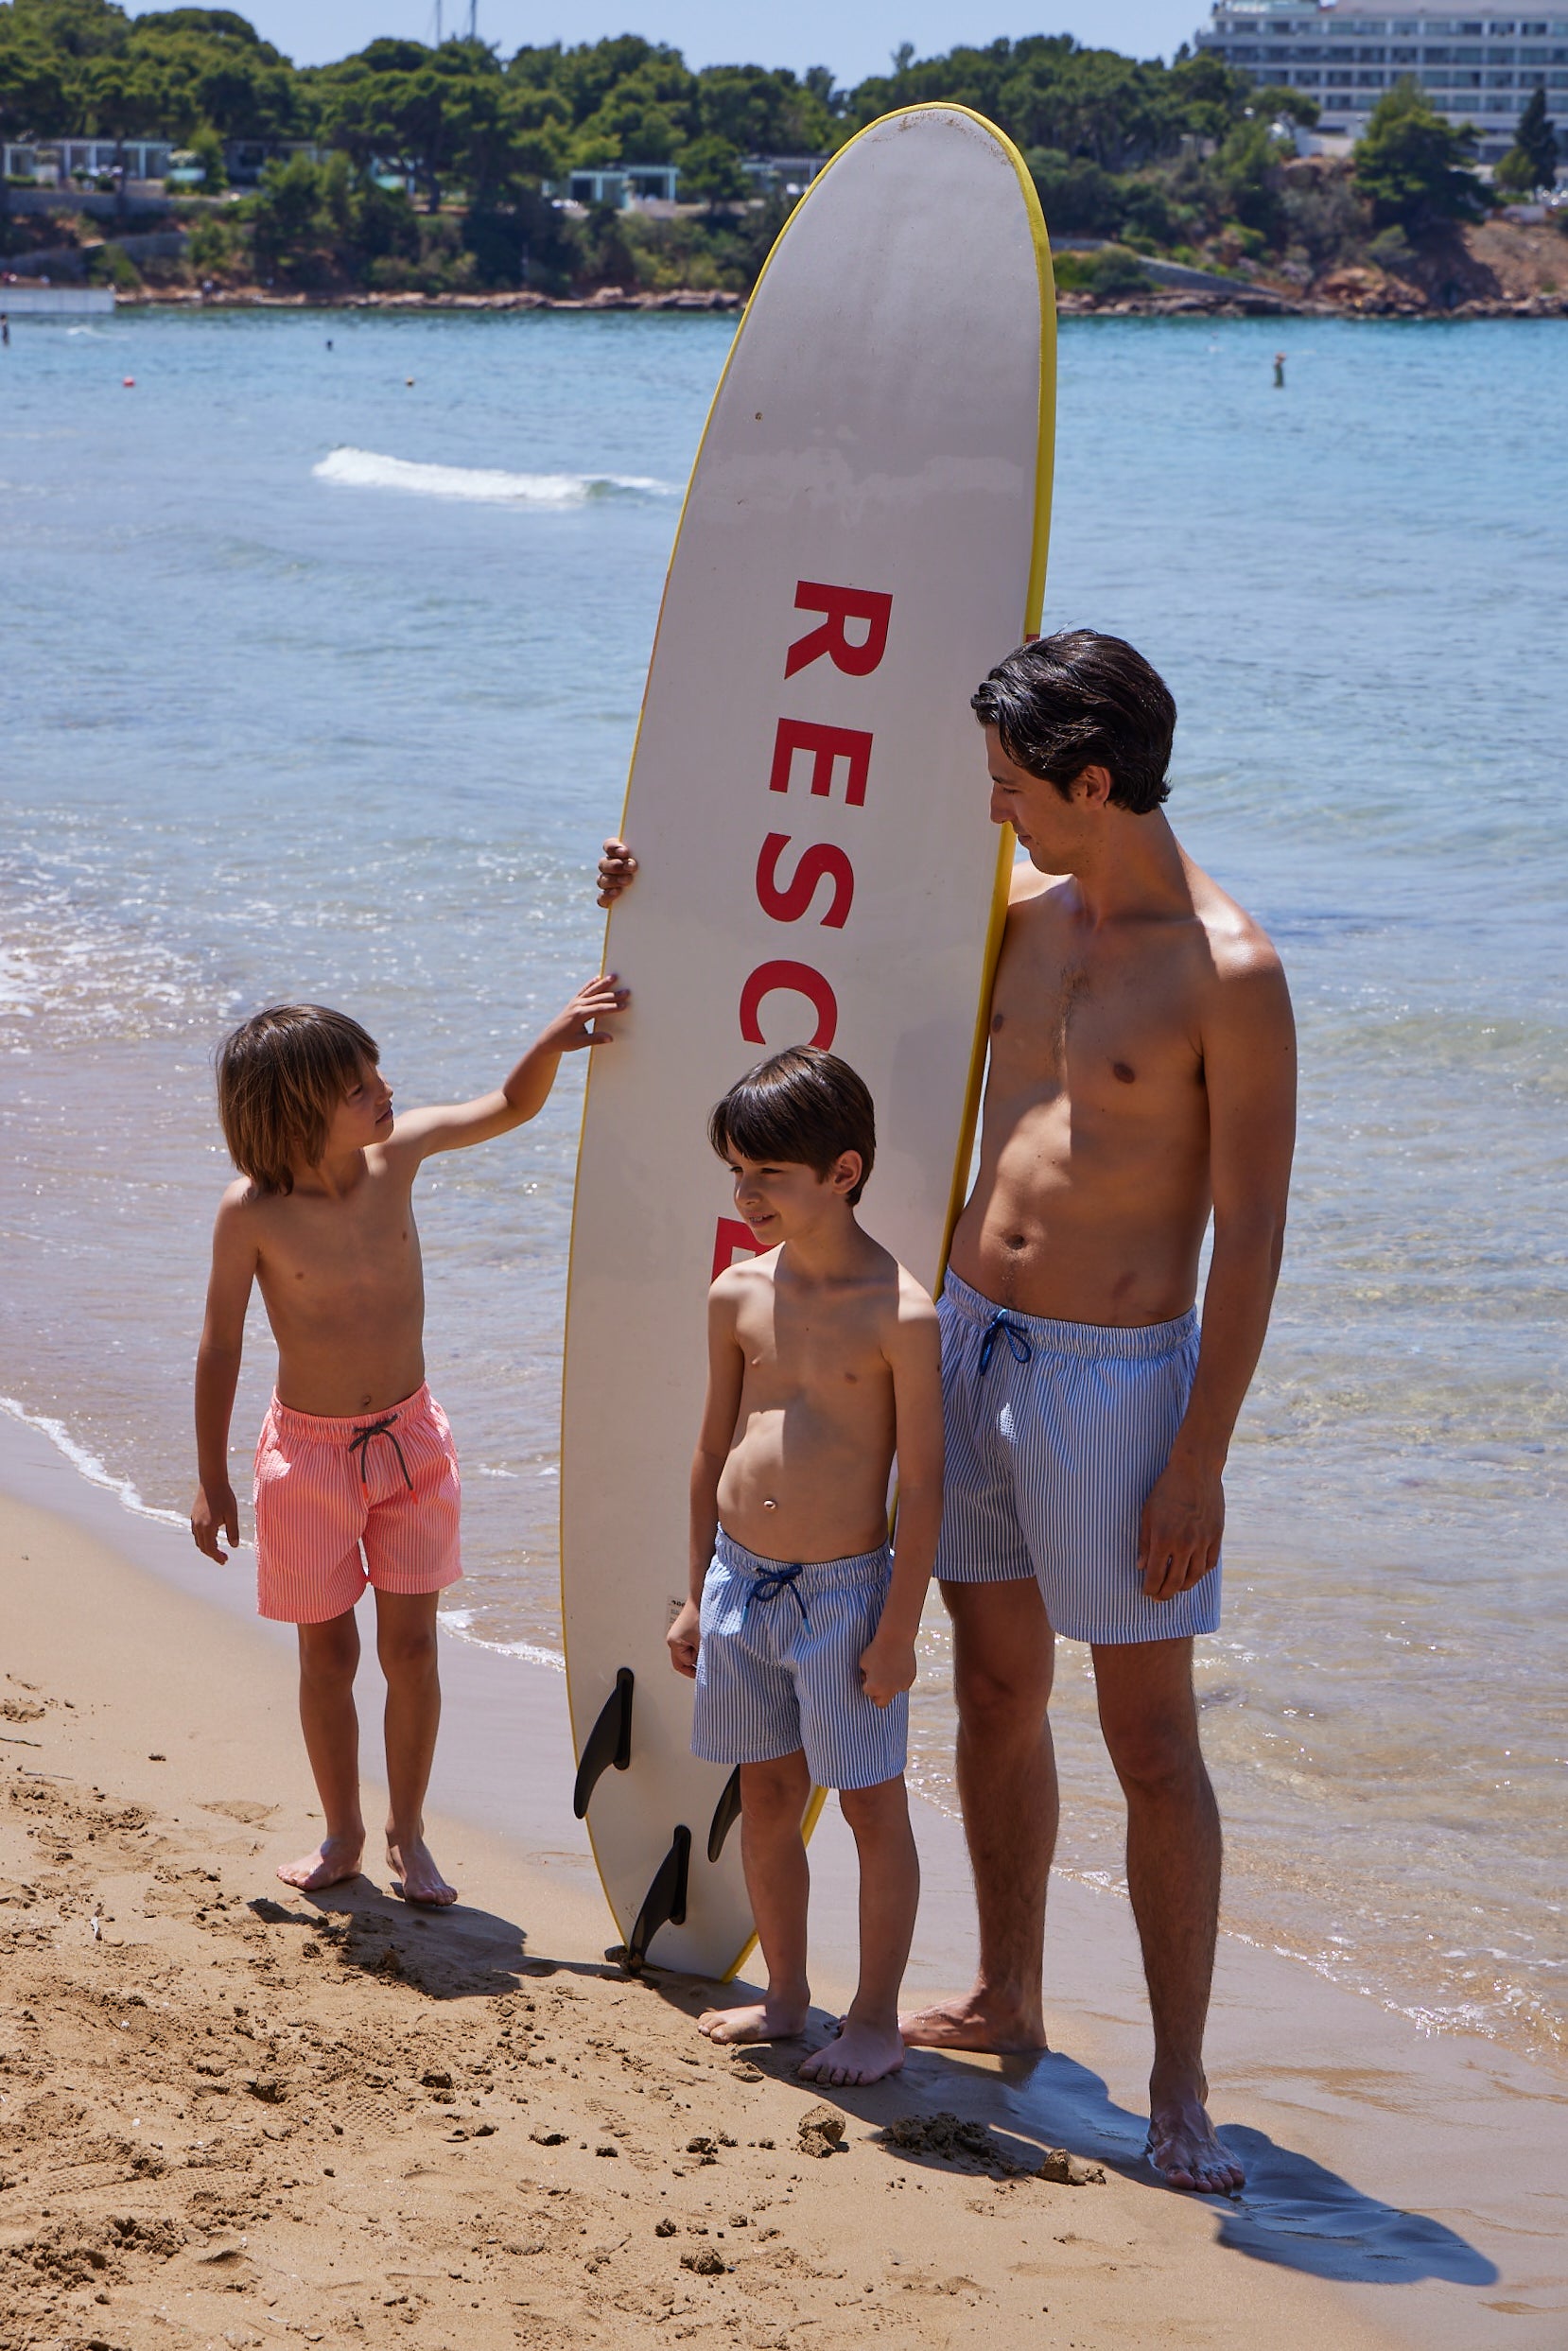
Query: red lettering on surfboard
(788,979)
(825,746)
(731,1239)
(819,863)
(840,605)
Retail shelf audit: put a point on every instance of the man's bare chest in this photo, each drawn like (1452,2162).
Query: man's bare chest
(1094,1024)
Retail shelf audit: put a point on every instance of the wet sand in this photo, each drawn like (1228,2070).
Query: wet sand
(230,2112)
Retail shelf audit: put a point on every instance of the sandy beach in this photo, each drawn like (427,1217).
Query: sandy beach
(229,2113)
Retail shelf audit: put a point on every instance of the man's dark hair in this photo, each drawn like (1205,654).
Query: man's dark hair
(802,1106)
(1079,700)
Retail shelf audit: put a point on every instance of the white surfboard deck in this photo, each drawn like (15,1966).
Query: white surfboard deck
(876,468)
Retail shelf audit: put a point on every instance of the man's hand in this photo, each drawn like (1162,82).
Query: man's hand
(616,869)
(571,1029)
(1178,1537)
(887,1667)
(212,1518)
(684,1638)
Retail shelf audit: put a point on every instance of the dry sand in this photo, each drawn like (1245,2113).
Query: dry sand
(229,2113)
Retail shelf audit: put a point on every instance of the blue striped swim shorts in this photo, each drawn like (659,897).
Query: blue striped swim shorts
(779,1667)
(1055,1435)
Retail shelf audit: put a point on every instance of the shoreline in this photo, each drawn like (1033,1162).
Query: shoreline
(1248,301)
(1348,2129)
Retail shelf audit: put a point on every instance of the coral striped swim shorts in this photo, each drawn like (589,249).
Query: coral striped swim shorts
(340,1504)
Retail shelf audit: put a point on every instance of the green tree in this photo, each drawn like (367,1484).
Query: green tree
(399,101)
(1413,165)
(1077,197)
(34,81)
(710,167)
(207,146)
(1531,161)
(72,29)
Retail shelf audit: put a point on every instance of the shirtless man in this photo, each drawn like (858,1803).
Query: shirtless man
(1141,1077)
(356,1475)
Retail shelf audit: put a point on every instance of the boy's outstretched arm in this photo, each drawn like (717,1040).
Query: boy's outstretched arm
(454,1127)
(214,1512)
(720,1410)
(914,1351)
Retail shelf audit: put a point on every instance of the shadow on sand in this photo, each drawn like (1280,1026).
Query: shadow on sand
(1293,2212)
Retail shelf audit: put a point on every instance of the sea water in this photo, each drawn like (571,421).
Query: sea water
(322,654)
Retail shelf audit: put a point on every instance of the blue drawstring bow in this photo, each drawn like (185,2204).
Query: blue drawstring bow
(769,1582)
(1001,1328)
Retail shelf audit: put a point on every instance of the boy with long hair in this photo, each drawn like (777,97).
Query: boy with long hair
(355,1472)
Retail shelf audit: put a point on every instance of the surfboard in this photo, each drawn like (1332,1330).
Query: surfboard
(863,537)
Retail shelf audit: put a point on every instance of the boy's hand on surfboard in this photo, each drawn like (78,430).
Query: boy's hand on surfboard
(617,868)
(682,1638)
(572,1028)
(887,1667)
(211,1519)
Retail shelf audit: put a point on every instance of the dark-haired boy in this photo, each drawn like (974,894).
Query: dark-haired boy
(357,1476)
(799,1630)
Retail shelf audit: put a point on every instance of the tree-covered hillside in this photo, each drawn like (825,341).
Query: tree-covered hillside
(426,164)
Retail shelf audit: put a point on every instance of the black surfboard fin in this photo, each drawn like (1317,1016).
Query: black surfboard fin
(725,1813)
(665,1901)
(609,1742)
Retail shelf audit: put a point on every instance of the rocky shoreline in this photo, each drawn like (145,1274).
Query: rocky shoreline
(1361,301)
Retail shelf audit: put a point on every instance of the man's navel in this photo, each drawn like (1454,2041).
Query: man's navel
(1123,1072)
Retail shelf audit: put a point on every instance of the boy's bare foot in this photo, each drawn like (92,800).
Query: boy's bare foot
(334,1860)
(857,2054)
(767,2020)
(975,2021)
(1182,2149)
(420,1881)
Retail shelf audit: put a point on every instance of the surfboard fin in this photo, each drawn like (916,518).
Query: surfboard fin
(725,1813)
(609,1742)
(664,1904)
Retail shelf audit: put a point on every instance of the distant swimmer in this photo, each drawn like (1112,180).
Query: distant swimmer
(1278,370)
(5,331)
(330,342)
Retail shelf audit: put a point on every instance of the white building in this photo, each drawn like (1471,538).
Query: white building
(1475,68)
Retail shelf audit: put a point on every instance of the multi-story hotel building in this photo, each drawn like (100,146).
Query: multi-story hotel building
(1473,66)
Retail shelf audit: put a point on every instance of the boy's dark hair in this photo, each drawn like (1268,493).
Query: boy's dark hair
(280,1077)
(803,1105)
(1079,700)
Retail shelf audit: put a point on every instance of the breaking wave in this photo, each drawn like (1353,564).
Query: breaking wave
(364,469)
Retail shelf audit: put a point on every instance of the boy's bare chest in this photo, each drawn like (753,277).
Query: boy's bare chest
(317,1252)
(821,1356)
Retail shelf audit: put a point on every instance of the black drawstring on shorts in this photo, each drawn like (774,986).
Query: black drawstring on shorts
(1001,1328)
(359,1443)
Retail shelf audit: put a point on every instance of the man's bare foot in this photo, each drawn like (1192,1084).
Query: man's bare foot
(334,1860)
(420,1881)
(978,2020)
(766,2020)
(857,2054)
(1182,2149)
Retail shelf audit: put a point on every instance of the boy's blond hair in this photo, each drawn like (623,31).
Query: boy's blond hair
(280,1077)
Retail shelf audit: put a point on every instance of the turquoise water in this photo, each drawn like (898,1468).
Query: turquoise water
(317,680)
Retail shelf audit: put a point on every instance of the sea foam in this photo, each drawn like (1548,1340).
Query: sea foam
(488,486)
(87,1464)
